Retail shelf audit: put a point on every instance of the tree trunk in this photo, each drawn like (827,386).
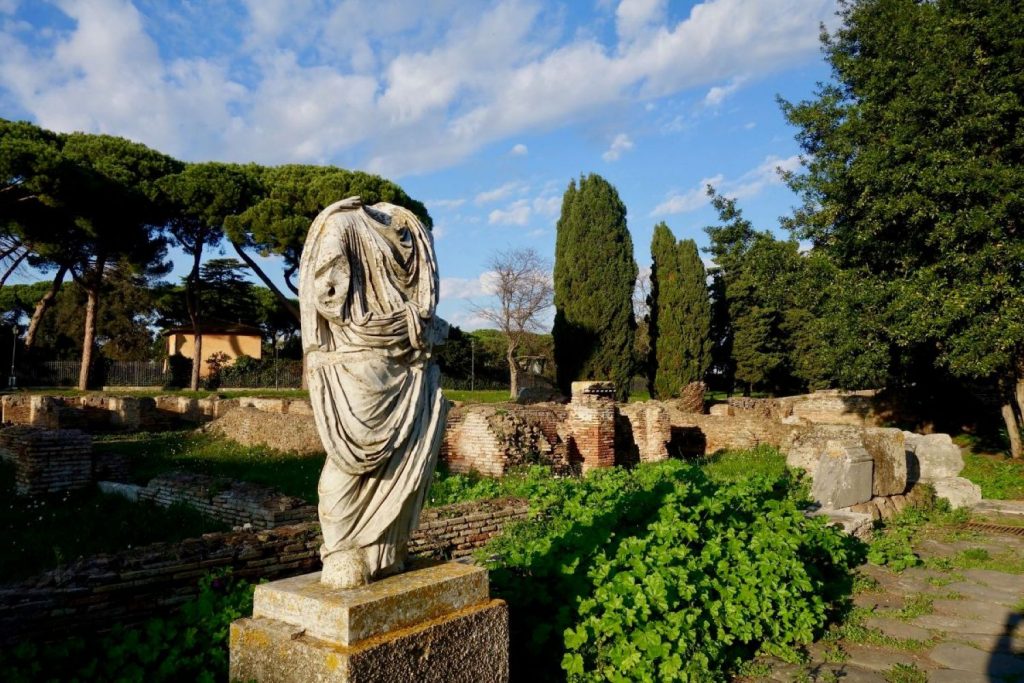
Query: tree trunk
(192,303)
(43,305)
(1012,428)
(1018,392)
(13,267)
(513,373)
(89,338)
(292,308)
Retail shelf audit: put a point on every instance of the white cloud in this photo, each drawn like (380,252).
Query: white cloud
(687,201)
(547,206)
(516,213)
(498,193)
(467,288)
(519,150)
(751,183)
(393,86)
(718,94)
(620,144)
(635,18)
(445,203)
(766,174)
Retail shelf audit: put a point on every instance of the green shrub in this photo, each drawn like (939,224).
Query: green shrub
(191,645)
(661,573)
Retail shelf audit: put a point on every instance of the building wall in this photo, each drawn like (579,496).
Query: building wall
(234,345)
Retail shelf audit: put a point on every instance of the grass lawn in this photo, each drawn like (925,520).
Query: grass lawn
(39,534)
(740,464)
(152,453)
(480,396)
(1000,477)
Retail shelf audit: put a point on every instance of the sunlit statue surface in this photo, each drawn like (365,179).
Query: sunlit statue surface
(368,292)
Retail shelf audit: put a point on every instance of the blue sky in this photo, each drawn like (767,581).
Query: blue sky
(483,110)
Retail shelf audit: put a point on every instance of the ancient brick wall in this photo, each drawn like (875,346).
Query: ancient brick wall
(47,461)
(128,587)
(234,502)
(455,531)
(491,438)
(589,427)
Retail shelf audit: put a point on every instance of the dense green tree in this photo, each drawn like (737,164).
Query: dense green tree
(201,197)
(914,177)
(680,315)
(121,221)
(294,195)
(595,275)
(758,312)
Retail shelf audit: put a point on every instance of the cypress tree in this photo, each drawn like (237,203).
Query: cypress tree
(594,278)
(680,325)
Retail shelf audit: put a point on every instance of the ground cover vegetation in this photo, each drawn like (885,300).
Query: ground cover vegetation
(44,533)
(666,573)
(190,645)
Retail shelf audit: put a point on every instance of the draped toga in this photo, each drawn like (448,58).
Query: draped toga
(368,291)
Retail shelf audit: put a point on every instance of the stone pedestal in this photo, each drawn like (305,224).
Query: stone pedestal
(435,622)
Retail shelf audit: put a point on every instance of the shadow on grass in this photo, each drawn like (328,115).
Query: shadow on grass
(153,453)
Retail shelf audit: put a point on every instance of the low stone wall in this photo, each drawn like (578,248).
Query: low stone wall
(490,438)
(47,460)
(95,593)
(293,432)
(235,502)
(456,531)
(834,407)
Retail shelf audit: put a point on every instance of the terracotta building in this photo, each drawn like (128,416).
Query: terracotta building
(231,339)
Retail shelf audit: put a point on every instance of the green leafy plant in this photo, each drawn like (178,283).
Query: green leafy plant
(661,573)
(190,645)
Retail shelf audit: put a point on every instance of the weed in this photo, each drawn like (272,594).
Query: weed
(905,673)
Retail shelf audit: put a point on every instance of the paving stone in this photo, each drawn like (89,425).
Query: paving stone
(845,673)
(985,593)
(1006,507)
(954,676)
(878,600)
(991,643)
(966,658)
(898,629)
(877,659)
(998,580)
(951,624)
(975,609)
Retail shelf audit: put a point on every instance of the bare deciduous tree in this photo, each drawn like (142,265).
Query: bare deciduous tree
(523,289)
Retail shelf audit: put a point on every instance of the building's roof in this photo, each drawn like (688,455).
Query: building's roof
(212,326)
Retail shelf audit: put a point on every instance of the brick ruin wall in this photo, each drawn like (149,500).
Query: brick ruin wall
(111,413)
(96,593)
(234,502)
(47,461)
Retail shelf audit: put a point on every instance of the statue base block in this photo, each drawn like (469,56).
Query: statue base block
(432,623)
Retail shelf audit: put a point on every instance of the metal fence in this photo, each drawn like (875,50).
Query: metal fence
(266,374)
(64,373)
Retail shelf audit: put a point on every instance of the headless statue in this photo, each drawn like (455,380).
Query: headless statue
(368,291)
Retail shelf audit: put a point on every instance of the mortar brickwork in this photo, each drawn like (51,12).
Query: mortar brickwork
(47,461)
(235,502)
(98,592)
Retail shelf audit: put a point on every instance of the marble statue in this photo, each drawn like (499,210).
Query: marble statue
(368,291)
